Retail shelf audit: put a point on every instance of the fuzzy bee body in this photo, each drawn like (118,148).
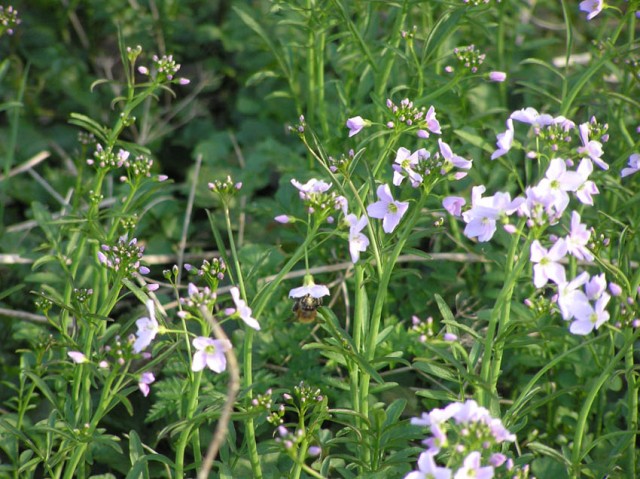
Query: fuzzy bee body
(306,308)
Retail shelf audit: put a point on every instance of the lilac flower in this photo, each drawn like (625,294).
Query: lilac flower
(358,242)
(592,149)
(427,469)
(243,310)
(210,353)
(404,165)
(77,357)
(356,124)
(558,181)
(497,76)
(433,125)
(309,288)
(531,116)
(454,204)
(387,209)
(570,297)
(147,329)
(578,238)
(596,286)
(587,188)
(592,317)
(311,186)
(145,380)
(634,165)
(547,265)
(472,469)
(504,141)
(454,159)
(591,7)
(481,219)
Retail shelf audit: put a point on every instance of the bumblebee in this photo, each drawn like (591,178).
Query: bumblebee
(306,308)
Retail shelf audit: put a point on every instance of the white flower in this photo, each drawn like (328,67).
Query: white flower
(147,329)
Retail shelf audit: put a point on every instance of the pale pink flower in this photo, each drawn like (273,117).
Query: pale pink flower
(387,209)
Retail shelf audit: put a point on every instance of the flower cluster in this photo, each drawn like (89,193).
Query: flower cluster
(197,297)
(409,116)
(545,204)
(138,167)
(164,70)
(318,200)
(464,434)
(469,58)
(421,166)
(225,188)
(107,159)
(8,20)
(423,328)
(306,401)
(124,256)
(211,271)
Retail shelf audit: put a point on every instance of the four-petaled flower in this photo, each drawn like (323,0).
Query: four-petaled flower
(504,141)
(147,329)
(145,380)
(547,266)
(242,310)
(210,353)
(387,209)
(312,289)
(358,242)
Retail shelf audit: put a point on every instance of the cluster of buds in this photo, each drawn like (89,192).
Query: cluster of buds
(164,70)
(82,295)
(107,159)
(211,271)
(198,297)
(299,127)
(342,163)
(305,396)
(409,116)
(124,256)
(409,34)
(8,20)
(133,53)
(468,57)
(423,328)
(43,304)
(138,167)
(85,138)
(557,135)
(226,188)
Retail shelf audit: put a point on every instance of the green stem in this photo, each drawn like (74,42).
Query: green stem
(376,314)
(359,327)
(247,355)
(500,316)
(632,403)
(581,424)
(185,435)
